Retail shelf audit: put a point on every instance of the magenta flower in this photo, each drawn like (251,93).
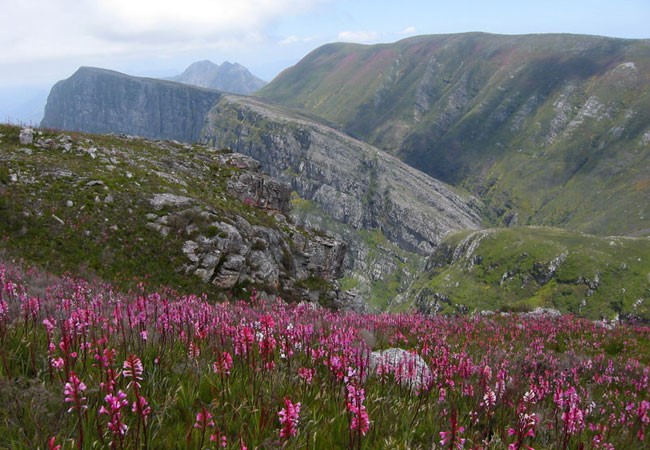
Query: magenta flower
(452,438)
(360,420)
(203,419)
(73,392)
(307,374)
(115,405)
(289,417)
(223,364)
(133,369)
(141,406)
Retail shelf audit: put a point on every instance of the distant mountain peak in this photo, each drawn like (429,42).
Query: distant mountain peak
(227,77)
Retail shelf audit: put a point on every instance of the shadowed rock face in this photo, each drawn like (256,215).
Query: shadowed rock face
(355,183)
(103,101)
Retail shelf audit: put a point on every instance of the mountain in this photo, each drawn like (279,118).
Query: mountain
(545,129)
(183,216)
(541,129)
(390,215)
(103,101)
(227,77)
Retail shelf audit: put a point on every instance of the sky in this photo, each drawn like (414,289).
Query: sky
(43,41)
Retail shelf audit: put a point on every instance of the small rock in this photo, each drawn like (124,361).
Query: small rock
(69,203)
(95,183)
(161,200)
(408,368)
(27,151)
(109,199)
(26,136)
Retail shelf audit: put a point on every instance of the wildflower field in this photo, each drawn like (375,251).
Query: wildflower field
(85,366)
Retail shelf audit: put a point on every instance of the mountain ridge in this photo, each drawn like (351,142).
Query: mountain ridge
(524,122)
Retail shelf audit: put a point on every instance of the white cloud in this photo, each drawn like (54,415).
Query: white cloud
(358,36)
(48,29)
(293,39)
(408,31)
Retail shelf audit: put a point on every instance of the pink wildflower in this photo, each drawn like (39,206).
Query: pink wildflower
(133,369)
(360,420)
(451,437)
(307,374)
(115,403)
(73,393)
(203,419)
(289,417)
(223,364)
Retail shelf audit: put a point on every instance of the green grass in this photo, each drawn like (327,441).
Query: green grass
(509,270)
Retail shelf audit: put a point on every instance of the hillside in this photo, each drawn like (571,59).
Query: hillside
(546,129)
(226,77)
(188,217)
(523,268)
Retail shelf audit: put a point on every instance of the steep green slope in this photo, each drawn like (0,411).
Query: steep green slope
(522,268)
(547,129)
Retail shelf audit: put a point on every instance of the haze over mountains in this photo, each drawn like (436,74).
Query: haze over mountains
(540,129)
(227,77)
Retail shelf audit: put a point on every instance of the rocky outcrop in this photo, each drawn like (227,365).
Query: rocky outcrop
(231,251)
(236,252)
(355,183)
(102,101)
(227,77)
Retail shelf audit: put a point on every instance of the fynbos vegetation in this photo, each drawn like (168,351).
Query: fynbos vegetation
(85,366)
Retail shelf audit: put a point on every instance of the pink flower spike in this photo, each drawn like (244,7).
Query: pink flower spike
(133,369)
(73,393)
(203,419)
(289,417)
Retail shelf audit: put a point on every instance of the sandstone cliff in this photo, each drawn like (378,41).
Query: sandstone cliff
(102,101)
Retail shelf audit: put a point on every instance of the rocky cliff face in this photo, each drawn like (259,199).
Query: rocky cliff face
(389,215)
(103,101)
(227,77)
(355,183)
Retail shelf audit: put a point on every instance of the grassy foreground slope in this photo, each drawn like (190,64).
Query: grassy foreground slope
(126,209)
(522,268)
